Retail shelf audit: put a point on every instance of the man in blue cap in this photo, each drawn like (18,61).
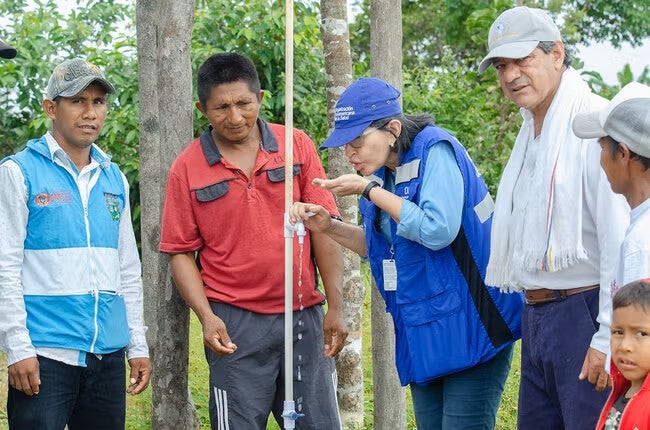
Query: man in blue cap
(426,231)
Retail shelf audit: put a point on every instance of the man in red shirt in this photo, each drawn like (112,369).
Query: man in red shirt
(225,201)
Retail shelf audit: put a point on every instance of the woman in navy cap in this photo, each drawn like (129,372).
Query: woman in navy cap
(6,51)
(426,231)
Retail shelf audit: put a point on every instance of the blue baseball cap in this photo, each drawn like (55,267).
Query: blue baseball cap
(364,101)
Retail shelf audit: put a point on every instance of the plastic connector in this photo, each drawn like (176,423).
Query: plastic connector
(300,231)
(298,227)
(290,415)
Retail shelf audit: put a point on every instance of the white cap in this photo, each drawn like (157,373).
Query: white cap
(517,32)
(626,119)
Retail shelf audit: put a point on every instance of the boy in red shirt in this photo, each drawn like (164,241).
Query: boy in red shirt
(628,406)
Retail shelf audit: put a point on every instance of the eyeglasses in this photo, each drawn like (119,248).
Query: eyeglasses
(359,141)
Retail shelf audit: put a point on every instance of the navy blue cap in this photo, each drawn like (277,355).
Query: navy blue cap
(363,102)
(7,51)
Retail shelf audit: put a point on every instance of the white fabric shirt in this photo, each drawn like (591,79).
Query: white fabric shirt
(604,219)
(634,261)
(14,336)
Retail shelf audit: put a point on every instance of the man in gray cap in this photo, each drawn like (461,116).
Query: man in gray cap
(6,51)
(557,226)
(70,281)
(623,130)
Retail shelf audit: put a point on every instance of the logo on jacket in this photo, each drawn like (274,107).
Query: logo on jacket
(113,206)
(45,199)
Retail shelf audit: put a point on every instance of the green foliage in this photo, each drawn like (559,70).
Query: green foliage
(45,35)
(102,31)
(599,20)
(625,76)
(430,27)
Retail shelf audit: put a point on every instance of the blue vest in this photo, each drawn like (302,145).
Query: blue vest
(446,319)
(71,268)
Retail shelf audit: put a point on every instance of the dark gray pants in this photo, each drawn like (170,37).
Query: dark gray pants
(248,385)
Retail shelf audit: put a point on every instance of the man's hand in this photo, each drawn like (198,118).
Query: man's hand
(335,332)
(140,375)
(215,336)
(25,376)
(315,217)
(593,369)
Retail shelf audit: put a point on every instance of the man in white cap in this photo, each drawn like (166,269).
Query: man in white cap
(557,226)
(7,51)
(70,280)
(623,130)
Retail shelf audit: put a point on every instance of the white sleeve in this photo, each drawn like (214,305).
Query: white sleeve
(14,336)
(131,282)
(612,217)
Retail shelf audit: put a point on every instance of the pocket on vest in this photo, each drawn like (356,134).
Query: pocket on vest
(437,336)
(432,309)
(112,323)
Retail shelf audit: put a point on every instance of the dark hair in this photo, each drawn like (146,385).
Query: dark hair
(614,148)
(224,68)
(411,126)
(635,293)
(547,47)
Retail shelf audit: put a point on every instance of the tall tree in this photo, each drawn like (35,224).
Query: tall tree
(338,69)
(164,30)
(386,63)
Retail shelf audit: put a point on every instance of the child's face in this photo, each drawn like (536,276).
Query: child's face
(630,343)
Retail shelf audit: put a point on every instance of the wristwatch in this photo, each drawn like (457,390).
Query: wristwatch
(370,186)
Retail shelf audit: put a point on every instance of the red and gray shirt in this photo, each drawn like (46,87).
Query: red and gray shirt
(236,223)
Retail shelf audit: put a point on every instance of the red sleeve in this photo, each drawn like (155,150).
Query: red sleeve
(312,168)
(179,231)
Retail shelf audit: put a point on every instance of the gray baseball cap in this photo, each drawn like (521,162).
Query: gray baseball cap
(626,119)
(517,32)
(6,51)
(73,76)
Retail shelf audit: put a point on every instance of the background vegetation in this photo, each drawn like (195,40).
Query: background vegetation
(443,42)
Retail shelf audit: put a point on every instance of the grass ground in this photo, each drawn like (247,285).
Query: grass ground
(139,407)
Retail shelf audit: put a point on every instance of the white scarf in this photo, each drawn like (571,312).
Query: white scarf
(551,238)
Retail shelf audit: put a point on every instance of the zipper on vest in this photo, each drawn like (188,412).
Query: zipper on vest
(94,291)
(93,279)
(95,295)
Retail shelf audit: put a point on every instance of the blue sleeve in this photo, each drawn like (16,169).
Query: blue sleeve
(436,221)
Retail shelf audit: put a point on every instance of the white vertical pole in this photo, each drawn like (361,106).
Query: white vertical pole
(289,411)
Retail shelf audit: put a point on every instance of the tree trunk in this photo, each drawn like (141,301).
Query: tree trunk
(338,68)
(386,63)
(164,29)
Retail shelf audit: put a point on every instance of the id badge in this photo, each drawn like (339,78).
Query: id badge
(390,275)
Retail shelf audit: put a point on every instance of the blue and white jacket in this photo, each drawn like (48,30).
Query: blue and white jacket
(446,319)
(69,268)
